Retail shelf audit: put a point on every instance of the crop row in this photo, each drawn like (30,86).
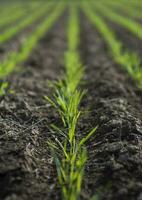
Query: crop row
(125,22)
(128,3)
(66,146)
(131,11)
(15,58)
(25,22)
(128,60)
(6,9)
(15,14)
(9,9)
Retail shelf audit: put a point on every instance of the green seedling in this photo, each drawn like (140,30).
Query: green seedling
(16,15)
(25,22)
(67,149)
(3,88)
(131,11)
(129,24)
(9,64)
(128,60)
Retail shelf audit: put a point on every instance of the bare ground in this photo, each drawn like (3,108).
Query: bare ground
(114,166)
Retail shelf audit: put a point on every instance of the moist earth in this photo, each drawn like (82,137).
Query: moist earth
(27,170)
(113,103)
(114,167)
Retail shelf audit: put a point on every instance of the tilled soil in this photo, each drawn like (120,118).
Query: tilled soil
(129,40)
(113,102)
(8,25)
(14,44)
(26,169)
(114,167)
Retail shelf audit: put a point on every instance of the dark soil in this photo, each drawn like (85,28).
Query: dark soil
(129,40)
(26,166)
(124,13)
(14,43)
(28,10)
(114,168)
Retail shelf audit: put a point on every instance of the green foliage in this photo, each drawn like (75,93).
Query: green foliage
(67,149)
(128,60)
(6,10)
(119,6)
(17,12)
(25,22)
(126,22)
(95,197)
(3,88)
(15,58)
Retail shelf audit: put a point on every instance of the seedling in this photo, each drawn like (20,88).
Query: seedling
(68,150)
(15,58)
(3,88)
(128,60)
(125,22)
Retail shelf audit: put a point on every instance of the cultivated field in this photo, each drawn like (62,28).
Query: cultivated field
(71,100)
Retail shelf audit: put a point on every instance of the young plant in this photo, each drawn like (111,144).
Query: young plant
(67,148)
(8,65)
(25,22)
(129,24)
(128,60)
(131,11)
(17,13)
(3,88)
